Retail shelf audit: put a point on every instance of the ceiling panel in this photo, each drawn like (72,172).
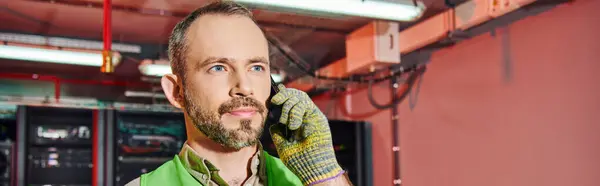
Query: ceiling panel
(166,5)
(317,40)
(76,21)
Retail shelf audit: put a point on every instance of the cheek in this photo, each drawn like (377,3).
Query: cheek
(263,92)
(215,97)
(209,96)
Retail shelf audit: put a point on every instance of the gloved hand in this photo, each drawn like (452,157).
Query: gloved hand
(308,150)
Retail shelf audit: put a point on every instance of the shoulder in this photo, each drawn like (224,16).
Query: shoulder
(278,173)
(162,173)
(135,182)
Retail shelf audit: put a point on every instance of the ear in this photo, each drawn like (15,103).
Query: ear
(173,90)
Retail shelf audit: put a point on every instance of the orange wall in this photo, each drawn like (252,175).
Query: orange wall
(520,107)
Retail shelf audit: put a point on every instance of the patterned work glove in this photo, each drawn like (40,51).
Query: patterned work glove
(303,139)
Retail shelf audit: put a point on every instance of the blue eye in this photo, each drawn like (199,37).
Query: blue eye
(258,68)
(217,68)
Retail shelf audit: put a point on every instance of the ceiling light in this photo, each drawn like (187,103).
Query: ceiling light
(66,42)
(158,70)
(54,56)
(144,94)
(399,10)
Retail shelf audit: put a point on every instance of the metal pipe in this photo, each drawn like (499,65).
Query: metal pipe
(20,146)
(107,65)
(395,131)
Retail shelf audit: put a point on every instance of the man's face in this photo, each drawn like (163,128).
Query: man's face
(227,81)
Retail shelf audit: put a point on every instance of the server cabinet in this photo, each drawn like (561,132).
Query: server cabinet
(139,142)
(56,146)
(8,123)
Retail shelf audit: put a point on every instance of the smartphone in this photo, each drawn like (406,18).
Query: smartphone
(275,111)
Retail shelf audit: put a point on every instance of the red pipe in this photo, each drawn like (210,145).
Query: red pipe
(107,65)
(107,26)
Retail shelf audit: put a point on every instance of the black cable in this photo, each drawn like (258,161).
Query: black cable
(449,3)
(397,69)
(413,98)
(396,100)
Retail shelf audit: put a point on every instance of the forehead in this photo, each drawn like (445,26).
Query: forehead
(226,36)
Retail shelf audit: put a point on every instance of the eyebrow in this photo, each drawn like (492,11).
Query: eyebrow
(211,60)
(259,60)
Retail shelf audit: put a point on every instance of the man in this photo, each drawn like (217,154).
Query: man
(221,79)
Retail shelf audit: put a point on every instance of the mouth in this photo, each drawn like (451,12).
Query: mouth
(243,112)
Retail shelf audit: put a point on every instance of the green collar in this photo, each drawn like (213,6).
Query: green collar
(206,173)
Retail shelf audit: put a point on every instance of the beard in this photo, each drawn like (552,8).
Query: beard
(209,122)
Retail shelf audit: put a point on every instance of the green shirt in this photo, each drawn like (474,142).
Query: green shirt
(270,171)
(207,174)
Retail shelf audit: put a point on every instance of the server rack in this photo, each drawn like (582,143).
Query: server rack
(8,133)
(139,142)
(118,146)
(58,146)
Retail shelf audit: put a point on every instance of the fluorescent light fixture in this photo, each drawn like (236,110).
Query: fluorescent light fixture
(53,56)
(144,94)
(159,70)
(155,69)
(67,43)
(399,10)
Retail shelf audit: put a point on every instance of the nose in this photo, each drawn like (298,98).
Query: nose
(242,86)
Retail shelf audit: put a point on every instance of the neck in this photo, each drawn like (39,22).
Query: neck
(222,157)
(227,160)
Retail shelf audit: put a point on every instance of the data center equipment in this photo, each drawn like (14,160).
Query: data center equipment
(352,145)
(143,141)
(54,146)
(58,146)
(6,160)
(7,137)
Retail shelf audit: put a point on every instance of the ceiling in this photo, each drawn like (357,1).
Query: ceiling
(318,41)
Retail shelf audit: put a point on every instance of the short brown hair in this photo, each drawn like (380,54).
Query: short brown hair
(177,41)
